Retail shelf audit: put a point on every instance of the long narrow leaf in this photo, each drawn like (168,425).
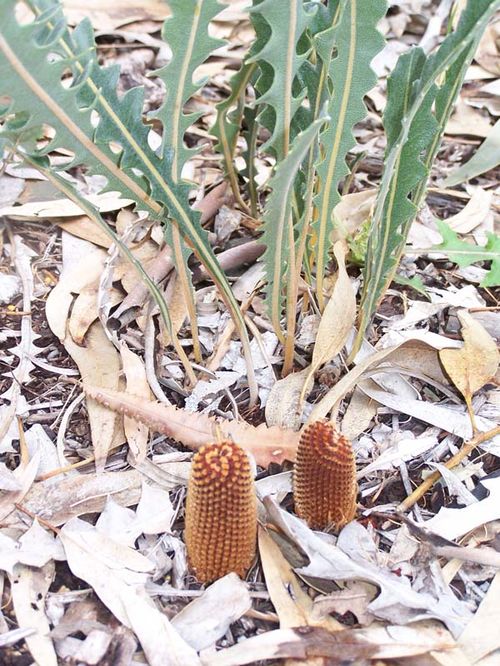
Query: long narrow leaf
(411,129)
(278,230)
(357,41)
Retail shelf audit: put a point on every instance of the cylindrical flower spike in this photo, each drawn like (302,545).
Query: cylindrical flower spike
(324,479)
(221,512)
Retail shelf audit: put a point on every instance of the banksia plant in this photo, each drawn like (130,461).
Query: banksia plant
(324,479)
(221,512)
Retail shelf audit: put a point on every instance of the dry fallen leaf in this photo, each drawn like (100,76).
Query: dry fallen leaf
(135,374)
(118,575)
(207,618)
(293,605)
(481,636)
(475,363)
(283,404)
(354,646)
(339,315)
(29,590)
(99,364)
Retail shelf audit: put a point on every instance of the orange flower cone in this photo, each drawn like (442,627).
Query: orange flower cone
(324,480)
(221,513)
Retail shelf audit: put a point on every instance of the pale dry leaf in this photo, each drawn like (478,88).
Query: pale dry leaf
(467,121)
(481,636)
(353,598)
(338,317)
(283,404)
(406,447)
(446,418)
(487,51)
(353,646)
(22,256)
(34,210)
(207,619)
(99,364)
(85,309)
(137,434)
(474,213)
(472,366)
(117,522)
(29,589)
(83,264)
(358,415)
(293,605)
(397,601)
(82,494)
(25,475)
(37,440)
(332,399)
(177,309)
(352,211)
(454,523)
(10,287)
(86,229)
(118,575)
(107,15)
(35,548)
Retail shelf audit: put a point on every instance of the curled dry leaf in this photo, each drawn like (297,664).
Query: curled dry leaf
(135,374)
(475,363)
(193,430)
(332,399)
(338,317)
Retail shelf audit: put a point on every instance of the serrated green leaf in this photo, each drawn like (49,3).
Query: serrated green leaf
(279,25)
(33,60)
(278,233)
(412,132)
(186,32)
(357,42)
(227,124)
(465,254)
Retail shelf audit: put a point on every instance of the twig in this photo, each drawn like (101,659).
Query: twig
(34,516)
(467,448)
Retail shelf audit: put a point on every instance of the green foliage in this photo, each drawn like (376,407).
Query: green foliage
(486,157)
(465,254)
(414,128)
(357,42)
(33,61)
(278,233)
(307,73)
(279,26)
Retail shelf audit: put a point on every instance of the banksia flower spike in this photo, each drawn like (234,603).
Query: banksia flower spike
(221,512)
(324,479)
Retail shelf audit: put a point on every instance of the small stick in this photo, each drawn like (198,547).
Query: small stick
(467,448)
(34,516)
